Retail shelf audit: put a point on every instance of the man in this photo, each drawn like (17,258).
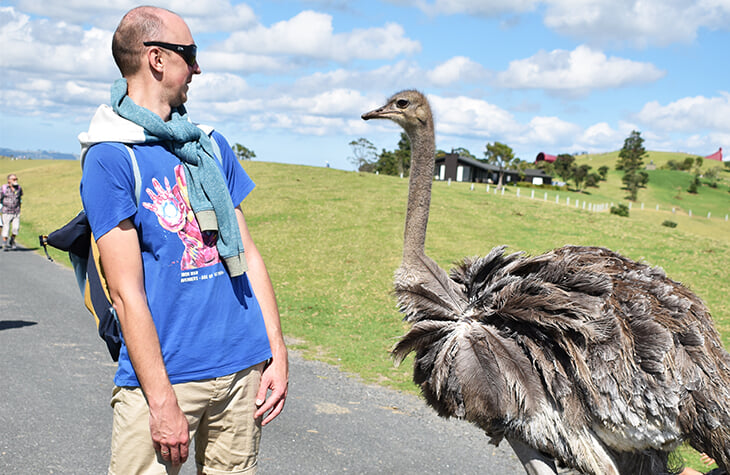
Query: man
(202,341)
(10,198)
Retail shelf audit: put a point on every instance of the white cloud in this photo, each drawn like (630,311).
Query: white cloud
(311,35)
(466,116)
(576,72)
(689,114)
(471,7)
(201,17)
(637,22)
(44,47)
(216,87)
(641,22)
(457,69)
(548,131)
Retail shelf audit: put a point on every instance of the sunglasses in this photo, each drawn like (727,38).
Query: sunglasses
(188,52)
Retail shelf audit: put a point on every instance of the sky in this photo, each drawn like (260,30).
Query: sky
(289,79)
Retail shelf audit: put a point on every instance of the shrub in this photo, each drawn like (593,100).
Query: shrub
(620,210)
(669,224)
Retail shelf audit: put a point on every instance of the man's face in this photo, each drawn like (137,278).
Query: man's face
(12,180)
(178,73)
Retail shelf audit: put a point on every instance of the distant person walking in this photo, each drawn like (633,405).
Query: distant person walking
(11,195)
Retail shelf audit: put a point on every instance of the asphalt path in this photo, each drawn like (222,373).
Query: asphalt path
(56,382)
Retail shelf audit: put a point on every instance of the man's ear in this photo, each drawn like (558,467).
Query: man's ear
(155,59)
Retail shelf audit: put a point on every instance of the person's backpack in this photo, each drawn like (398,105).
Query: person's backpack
(76,238)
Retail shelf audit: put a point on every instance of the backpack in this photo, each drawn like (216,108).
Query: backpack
(76,238)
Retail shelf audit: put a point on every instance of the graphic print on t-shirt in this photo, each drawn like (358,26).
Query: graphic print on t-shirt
(173,211)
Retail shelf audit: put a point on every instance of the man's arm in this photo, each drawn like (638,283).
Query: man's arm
(122,262)
(276,374)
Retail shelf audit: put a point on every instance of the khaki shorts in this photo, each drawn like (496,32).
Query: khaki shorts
(220,418)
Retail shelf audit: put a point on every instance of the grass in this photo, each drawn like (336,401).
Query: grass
(332,239)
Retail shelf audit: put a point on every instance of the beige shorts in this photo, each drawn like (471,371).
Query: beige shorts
(220,418)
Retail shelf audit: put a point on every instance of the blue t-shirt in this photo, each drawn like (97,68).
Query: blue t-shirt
(208,323)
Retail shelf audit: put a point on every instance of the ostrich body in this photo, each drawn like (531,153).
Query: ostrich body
(579,355)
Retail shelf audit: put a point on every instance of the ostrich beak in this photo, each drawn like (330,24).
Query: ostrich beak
(373,114)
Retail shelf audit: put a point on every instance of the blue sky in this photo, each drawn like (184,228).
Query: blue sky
(289,79)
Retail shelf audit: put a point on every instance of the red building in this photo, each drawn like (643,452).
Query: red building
(546,157)
(715,156)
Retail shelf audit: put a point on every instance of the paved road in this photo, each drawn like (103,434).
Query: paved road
(56,380)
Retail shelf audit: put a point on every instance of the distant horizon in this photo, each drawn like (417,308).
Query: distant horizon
(70,156)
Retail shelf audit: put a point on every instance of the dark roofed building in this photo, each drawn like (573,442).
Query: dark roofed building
(457,168)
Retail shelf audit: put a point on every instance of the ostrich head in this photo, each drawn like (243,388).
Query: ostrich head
(410,110)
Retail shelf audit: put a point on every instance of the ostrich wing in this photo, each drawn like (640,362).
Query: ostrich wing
(425,291)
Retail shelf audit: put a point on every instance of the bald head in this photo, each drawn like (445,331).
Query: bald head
(137,26)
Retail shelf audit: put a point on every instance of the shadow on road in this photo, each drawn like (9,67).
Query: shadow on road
(10,324)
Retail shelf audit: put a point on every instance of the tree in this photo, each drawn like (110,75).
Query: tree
(396,162)
(462,152)
(564,165)
(694,185)
(403,154)
(593,179)
(580,174)
(500,155)
(545,166)
(603,172)
(631,161)
(243,153)
(387,163)
(364,154)
(712,175)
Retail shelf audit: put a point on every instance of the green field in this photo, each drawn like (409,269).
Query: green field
(332,240)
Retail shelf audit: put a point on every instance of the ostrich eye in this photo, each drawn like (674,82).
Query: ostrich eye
(401,103)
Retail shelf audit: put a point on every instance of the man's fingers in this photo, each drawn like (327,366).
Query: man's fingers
(183,452)
(176,454)
(274,412)
(274,403)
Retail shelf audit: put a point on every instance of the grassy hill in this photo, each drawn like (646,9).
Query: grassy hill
(332,240)
(666,188)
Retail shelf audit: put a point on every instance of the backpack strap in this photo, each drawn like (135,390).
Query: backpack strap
(216,148)
(135,170)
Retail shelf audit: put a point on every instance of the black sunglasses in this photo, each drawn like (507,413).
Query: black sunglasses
(188,52)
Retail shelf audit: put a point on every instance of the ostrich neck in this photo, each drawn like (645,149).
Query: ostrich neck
(419,194)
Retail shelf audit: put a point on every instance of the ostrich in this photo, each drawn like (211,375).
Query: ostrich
(579,355)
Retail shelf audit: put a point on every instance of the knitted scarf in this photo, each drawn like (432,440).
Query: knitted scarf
(207,190)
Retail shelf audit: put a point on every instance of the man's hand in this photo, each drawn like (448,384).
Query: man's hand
(169,429)
(275,378)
